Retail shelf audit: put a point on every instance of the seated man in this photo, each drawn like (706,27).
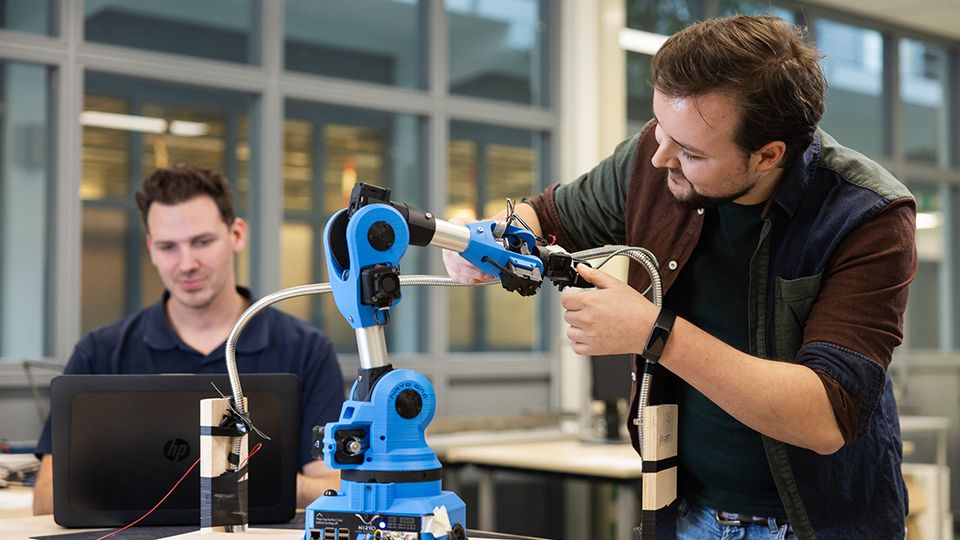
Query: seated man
(193,237)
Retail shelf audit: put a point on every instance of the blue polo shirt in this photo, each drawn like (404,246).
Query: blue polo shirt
(273,342)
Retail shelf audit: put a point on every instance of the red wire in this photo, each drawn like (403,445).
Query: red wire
(155,506)
(256,448)
(253,452)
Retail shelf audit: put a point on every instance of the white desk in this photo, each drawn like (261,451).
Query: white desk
(928,425)
(610,463)
(15,501)
(26,527)
(937,427)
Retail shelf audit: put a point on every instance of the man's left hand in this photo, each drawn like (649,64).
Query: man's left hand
(612,319)
(315,478)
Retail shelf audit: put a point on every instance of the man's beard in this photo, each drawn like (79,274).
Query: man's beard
(696,201)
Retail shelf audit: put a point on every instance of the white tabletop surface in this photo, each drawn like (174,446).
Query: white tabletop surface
(615,461)
(26,527)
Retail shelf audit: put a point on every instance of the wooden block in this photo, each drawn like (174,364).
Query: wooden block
(214,453)
(659,491)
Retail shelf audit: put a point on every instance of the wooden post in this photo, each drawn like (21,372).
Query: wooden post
(659,497)
(223,488)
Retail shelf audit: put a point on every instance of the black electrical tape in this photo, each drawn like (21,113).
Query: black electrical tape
(233,417)
(217,431)
(659,465)
(223,499)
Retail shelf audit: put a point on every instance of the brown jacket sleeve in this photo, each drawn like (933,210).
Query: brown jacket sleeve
(861,302)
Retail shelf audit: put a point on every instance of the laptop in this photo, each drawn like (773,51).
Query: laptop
(120,442)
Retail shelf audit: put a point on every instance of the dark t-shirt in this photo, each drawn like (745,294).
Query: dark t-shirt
(272,342)
(722,462)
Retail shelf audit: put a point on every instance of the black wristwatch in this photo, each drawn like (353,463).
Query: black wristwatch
(658,336)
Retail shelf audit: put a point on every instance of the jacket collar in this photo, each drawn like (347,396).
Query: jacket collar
(159,334)
(796,179)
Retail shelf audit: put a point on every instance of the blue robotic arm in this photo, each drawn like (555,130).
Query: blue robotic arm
(365,242)
(390,478)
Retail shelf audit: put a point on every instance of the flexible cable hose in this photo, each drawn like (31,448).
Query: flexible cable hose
(650,264)
(638,254)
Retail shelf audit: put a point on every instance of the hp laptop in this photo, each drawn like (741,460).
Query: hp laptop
(120,442)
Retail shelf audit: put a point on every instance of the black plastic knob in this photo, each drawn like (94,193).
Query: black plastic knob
(409,403)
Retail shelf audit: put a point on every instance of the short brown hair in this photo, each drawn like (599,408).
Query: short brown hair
(766,66)
(182,182)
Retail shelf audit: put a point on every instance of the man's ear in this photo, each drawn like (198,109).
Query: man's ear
(149,242)
(238,234)
(769,156)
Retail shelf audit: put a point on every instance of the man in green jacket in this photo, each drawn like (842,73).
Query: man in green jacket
(785,260)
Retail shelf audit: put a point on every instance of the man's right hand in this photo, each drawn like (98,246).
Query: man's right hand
(458,268)
(464,272)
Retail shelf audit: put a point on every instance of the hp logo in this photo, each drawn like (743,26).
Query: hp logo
(176,449)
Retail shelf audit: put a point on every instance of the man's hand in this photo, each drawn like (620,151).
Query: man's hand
(315,478)
(458,268)
(43,488)
(464,272)
(785,401)
(613,318)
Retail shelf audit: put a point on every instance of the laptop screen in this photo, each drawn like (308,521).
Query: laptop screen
(122,441)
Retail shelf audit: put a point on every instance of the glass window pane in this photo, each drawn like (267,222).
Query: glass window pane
(853,66)
(130,128)
(33,16)
(377,41)
(666,18)
(104,265)
(25,219)
(951,279)
(751,7)
(221,30)
(923,311)
(327,149)
(498,49)
(106,151)
(923,72)
(486,165)
(663,17)
(639,89)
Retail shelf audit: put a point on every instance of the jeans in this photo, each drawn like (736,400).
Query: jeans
(698,523)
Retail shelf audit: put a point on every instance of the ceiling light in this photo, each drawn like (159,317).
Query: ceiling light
(929,220)
(182,128)
(127,122)
(640,41)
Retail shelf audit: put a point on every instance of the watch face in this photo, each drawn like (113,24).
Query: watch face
(658,335)
(658,341)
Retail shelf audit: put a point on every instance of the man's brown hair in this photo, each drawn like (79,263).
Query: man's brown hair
(182,182)
(763,63)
